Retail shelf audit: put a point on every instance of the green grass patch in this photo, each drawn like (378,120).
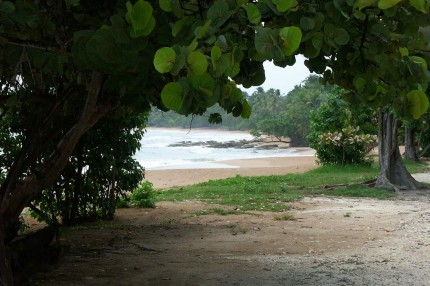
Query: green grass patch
(355,191)
(417,167)
(273,193)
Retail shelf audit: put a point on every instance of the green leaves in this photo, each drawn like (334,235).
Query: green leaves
(267,43)
(360,4)
(164,59)
(419,60)
(386,4)
(420,5)
(341,37)
(292,37)
(246,110)
(139,16)
(284,5)
(172,96)
(197,62)
(165,5)
(253,13)
(419,103)
(219,13)
(7,7)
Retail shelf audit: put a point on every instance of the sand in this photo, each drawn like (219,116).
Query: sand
(304,161)
(331,240)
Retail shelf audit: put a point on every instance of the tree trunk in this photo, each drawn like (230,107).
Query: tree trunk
(393,174)
(16,194)
(410,146)
(6,275)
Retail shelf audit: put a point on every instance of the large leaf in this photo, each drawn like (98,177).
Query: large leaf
(172,96)
(420,5)
(165,5)
(164,59)
(307,23)
(284,5)
(419,103)
(419,60)
(386,4)
(246,110)
(197,62)
(266,43)
(292,36)
(253,13)
(341,37)
(205,86)
(139,16)
(219,13)
(203,83)
(360,4)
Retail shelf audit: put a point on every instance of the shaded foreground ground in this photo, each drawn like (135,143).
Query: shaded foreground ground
(332,241)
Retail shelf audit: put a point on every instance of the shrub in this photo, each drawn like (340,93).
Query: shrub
(122,203)
(143,196)
(345,147)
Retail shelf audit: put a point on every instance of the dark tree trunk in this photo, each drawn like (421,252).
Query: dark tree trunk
(16,194)
(6,275)
(410,146)
(393,174)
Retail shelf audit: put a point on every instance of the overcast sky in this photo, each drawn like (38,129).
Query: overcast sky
(283,79)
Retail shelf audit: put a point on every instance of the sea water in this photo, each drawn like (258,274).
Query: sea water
(156,152)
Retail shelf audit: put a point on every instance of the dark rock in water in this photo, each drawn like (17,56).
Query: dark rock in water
(268,147)
(242,144)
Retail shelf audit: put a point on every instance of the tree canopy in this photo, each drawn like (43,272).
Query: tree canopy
(83,59)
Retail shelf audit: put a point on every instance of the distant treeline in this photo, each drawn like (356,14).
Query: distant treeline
(273,113)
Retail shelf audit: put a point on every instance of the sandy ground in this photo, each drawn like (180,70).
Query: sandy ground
(331,241)
(248,167)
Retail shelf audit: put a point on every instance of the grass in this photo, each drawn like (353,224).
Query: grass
(272,193)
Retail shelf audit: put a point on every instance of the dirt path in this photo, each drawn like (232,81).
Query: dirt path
(332,241)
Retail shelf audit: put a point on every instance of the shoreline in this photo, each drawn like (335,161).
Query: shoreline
(267,166)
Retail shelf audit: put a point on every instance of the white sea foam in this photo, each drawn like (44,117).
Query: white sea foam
(156,153)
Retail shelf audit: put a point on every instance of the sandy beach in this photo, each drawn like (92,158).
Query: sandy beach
(304,161)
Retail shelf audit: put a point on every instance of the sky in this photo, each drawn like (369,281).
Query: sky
(283,79)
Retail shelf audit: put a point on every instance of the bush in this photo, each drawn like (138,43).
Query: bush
(122,203)
(345,147)
(143,196)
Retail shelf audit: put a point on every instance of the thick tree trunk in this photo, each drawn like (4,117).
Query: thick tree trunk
(410,146)
(393,174)
(6,275)
(15,195)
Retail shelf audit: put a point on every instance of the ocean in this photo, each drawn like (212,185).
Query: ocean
(156,154)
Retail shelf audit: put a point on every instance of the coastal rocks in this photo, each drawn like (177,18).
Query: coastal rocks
(259,144)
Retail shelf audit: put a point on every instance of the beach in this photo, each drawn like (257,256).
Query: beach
(303,161)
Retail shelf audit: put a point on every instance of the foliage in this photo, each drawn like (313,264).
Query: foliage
(336,132)
(57,58)
(143,196)
(99,172)
(255,133)
(299,104)
(344,147)
(273,114)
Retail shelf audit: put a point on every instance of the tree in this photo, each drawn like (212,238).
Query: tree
(92,56)
(341,133)
(299,104)
(100,170)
